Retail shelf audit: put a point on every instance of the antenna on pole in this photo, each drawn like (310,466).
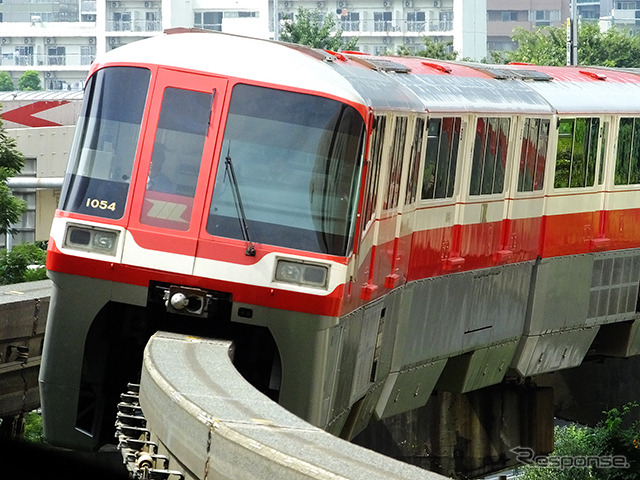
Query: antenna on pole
(572,35)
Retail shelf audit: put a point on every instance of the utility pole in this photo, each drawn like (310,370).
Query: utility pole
(276,21)
(572,35)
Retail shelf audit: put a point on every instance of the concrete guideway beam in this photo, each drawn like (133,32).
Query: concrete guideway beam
(23,315)
(211,423)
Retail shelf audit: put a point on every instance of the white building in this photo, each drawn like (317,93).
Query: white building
(61,38)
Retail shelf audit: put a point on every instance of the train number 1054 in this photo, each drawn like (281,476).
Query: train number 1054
(101,204)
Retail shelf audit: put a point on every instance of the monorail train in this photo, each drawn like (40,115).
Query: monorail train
(367,230)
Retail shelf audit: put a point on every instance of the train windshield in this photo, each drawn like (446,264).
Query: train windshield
(289,165)
(106,138)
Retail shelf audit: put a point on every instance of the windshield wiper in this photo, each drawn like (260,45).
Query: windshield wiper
(250,251)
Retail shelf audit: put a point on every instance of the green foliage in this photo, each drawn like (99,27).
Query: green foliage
(6,85)
(11,162)
(313,28)
(547,46)
(437,50)
(609,438)
(33,430)
(14,264)
(29,81)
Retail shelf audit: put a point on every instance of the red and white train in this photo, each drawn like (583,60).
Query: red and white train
(367,230)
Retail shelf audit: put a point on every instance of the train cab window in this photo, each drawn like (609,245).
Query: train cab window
(628,153)
(533,155)
(577,152)
(414,161)
(105,142)
(489,155)
(373,172)
(289,170)
(175,161)
(443,140)
(395,163)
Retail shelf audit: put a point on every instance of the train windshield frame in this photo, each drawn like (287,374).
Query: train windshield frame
(297,160)
(106,140)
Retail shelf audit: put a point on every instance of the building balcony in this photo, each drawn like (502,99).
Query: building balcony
(136,26)
(395,27)
(13,61)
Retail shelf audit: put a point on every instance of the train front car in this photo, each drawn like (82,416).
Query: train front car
(209,196)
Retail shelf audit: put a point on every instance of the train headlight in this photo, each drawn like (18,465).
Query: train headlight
(91,239)
(302,273)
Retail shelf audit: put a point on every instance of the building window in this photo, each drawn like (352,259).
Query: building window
(382,21)
(87,54)
(208,20)
(509,16)
(544,17)
(416,21)
(56,55)
(350,22)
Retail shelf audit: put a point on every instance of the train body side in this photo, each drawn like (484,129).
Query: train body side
(438,232)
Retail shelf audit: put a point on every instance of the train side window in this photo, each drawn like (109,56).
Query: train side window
(175,161)
(489,155)
(375,157)
(414,161)
(533,155)
(628,153)
(577,152)
(395,163)
(443,140)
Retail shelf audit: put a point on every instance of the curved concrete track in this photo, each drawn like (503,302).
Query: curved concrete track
(211,423)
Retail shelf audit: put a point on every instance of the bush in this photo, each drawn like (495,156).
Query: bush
(33,430)
(17,265)
(6,85)
(608,440)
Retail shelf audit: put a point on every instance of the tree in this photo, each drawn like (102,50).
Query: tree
(547,46)
(6,85)
(29,81)
(11,162)
(433,49)
(313,28)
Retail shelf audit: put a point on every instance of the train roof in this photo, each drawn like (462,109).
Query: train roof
(398,83)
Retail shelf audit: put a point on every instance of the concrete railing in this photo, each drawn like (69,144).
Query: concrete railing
(212,424)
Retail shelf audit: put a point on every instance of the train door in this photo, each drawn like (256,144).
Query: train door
(525,204)
(434,249)
(416,136)
(481,213)
(369,225)
(393,252)
(601,239)
(175,162)
(572,207)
